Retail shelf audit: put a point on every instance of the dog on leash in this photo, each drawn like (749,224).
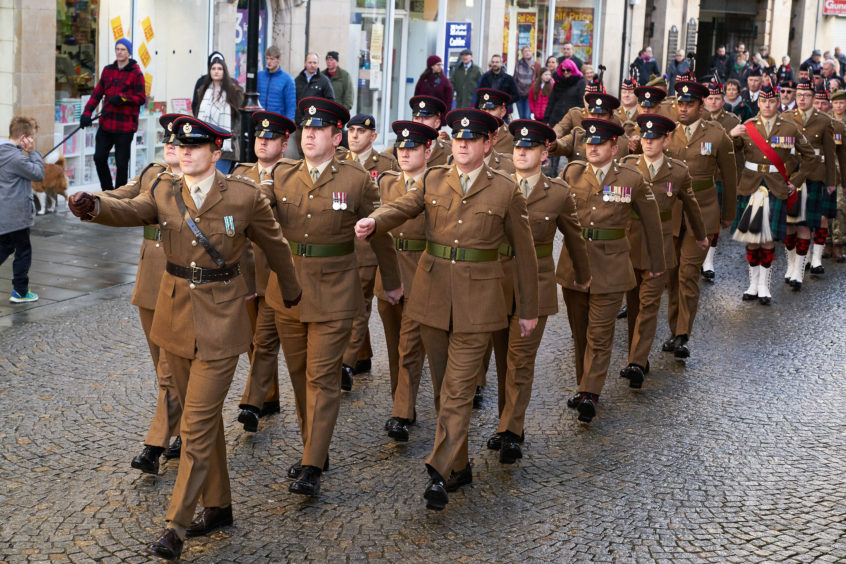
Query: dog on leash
(47,191)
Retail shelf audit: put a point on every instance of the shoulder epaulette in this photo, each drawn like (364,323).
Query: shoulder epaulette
(388,173)
(629,158)
(243,180)
(148,167)
(577,164)
(241,168)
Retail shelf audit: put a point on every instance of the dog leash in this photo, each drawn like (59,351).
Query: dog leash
(71,134)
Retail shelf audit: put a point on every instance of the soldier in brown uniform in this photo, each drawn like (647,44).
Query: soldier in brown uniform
(551,208)
(457,298)
(572,145)
(361,134)
(151,265)
(714,105)
(402,333)
(838,114)
(318,201)
(606,193)
(670,183)
(628,111)
(496,103)
(820,193)
(200,320)
(763,192)
(704,147)
(428,111)
(261,393)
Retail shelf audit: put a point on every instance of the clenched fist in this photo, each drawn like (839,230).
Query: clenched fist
(81,204)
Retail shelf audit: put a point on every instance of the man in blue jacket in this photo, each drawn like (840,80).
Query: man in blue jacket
(276,87)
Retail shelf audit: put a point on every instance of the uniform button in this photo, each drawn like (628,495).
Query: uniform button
(463,201)
(311,196)
(460,221)
(157,245)
(284,199)
(434,202)
(546,218)
(456,241)
(196,220)
(452,261)
(402,234)
(194,243)
(164,223)
(193,264)
(591,223)
(308,216)
(306,235)
(192,285)
(594,207)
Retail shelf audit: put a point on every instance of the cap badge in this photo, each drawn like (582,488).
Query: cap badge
(647,95)
(648,125)
(593,129)
(599,101)
(312,110)
(524,131)
(685,88)
(422,104)
(367,122)
(465,122)
(405,133)
(187,128)
(170,126)
(265,123)
(487,96)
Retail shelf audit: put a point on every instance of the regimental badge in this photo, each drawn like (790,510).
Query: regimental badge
(599,101)
(405,133)
(229,224)
(524,131)
(187,128)
(705,148)
(593,129)
(685,89)
(487,96)
(170,126)
(648,125)
(465,122)
(648,95)
(367,122)
(312,110)
(265,123)
(422,104)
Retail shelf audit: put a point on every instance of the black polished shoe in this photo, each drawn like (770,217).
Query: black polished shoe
(587,407)
(669,345)
(573,402)
(148,460)
(765,300)
(270,408)
(708,275)
(796,285)
(362,366)
(817,270)
(308,483)
(681,352)
(346,377)
(634,373)
(436,494)
(399,429)
(209,519)
(477,398)
(175,448)
(295,470)
(495,441)
(510,450)
(250,418)
(458,479)
(167,546)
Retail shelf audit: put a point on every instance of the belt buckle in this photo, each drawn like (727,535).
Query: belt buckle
(197,274)
(307,249)
(763,168)
(453,252)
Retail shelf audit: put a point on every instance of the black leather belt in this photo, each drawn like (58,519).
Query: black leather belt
(199,275)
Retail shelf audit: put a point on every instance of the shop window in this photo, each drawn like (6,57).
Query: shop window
(76,47)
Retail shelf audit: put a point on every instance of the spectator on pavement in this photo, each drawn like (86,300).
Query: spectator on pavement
(804,72)
(814,62)
(786,95)
(569,52)
(341,82)
(718,63)
(587,72)
(220,99)
(784,71)
(679,65)
(122,89)
(498,79)
(734,103)
(311,83)
(465,76)
(568,91)
(433,82)
(829,55)
(20,165)
(195,102)
(646,66)
(526,71)
(552,63)
(539,94)
(841,58)
(764,52)
(738,69)
(276,89)
(829,69)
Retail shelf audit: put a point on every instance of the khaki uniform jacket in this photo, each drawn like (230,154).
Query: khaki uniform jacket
(610,262)
(151,262)
(729,121)
(819,132)
(628,124)
(441,152)
(504,141)
(798,158)
(673,193)
(573,118)
(839,128)
(552,208)
(392,187)
(464,296)
(572,146)
(208,321)
(376,164)
(707,150)
(331,285)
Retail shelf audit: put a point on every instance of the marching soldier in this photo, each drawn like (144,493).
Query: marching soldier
(361,133)
(670,182)
(496,103)
(458,299)
(318,201)
(704,147)
(151,265)
(787,96)
(820,190)
(200,320)
(402,333)
(428,111)
(606,193)
(261,393)
(600,106)
(628,111)
(767,188)
(838,115)
(551,208)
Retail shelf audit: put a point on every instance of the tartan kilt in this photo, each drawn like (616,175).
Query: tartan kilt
(778,216)
(820,204)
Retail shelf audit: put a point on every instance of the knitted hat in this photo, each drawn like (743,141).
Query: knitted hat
(432,60)
(126,43)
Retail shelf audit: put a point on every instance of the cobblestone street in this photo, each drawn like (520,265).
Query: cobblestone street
(738,457)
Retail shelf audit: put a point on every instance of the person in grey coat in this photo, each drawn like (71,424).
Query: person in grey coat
(20,165)
(679,65)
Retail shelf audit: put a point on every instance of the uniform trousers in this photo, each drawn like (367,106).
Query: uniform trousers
(516,390)
(683,284)
(313,355)
(454,360)
(359,347)
(406,355)
(168,407)
(643,301)
(263,380)
(592,318)
(203,477)
(391,316)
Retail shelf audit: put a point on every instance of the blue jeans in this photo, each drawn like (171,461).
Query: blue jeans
(17,242)
(523,108)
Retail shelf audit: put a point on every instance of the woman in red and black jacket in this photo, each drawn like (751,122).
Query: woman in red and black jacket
(121,87)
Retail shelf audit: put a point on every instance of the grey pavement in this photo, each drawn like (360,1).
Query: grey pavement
(739,456)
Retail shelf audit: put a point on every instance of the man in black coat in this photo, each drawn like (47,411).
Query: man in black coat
(718,63)
(646,66)
(568,52)
(497,79)
(311,83)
